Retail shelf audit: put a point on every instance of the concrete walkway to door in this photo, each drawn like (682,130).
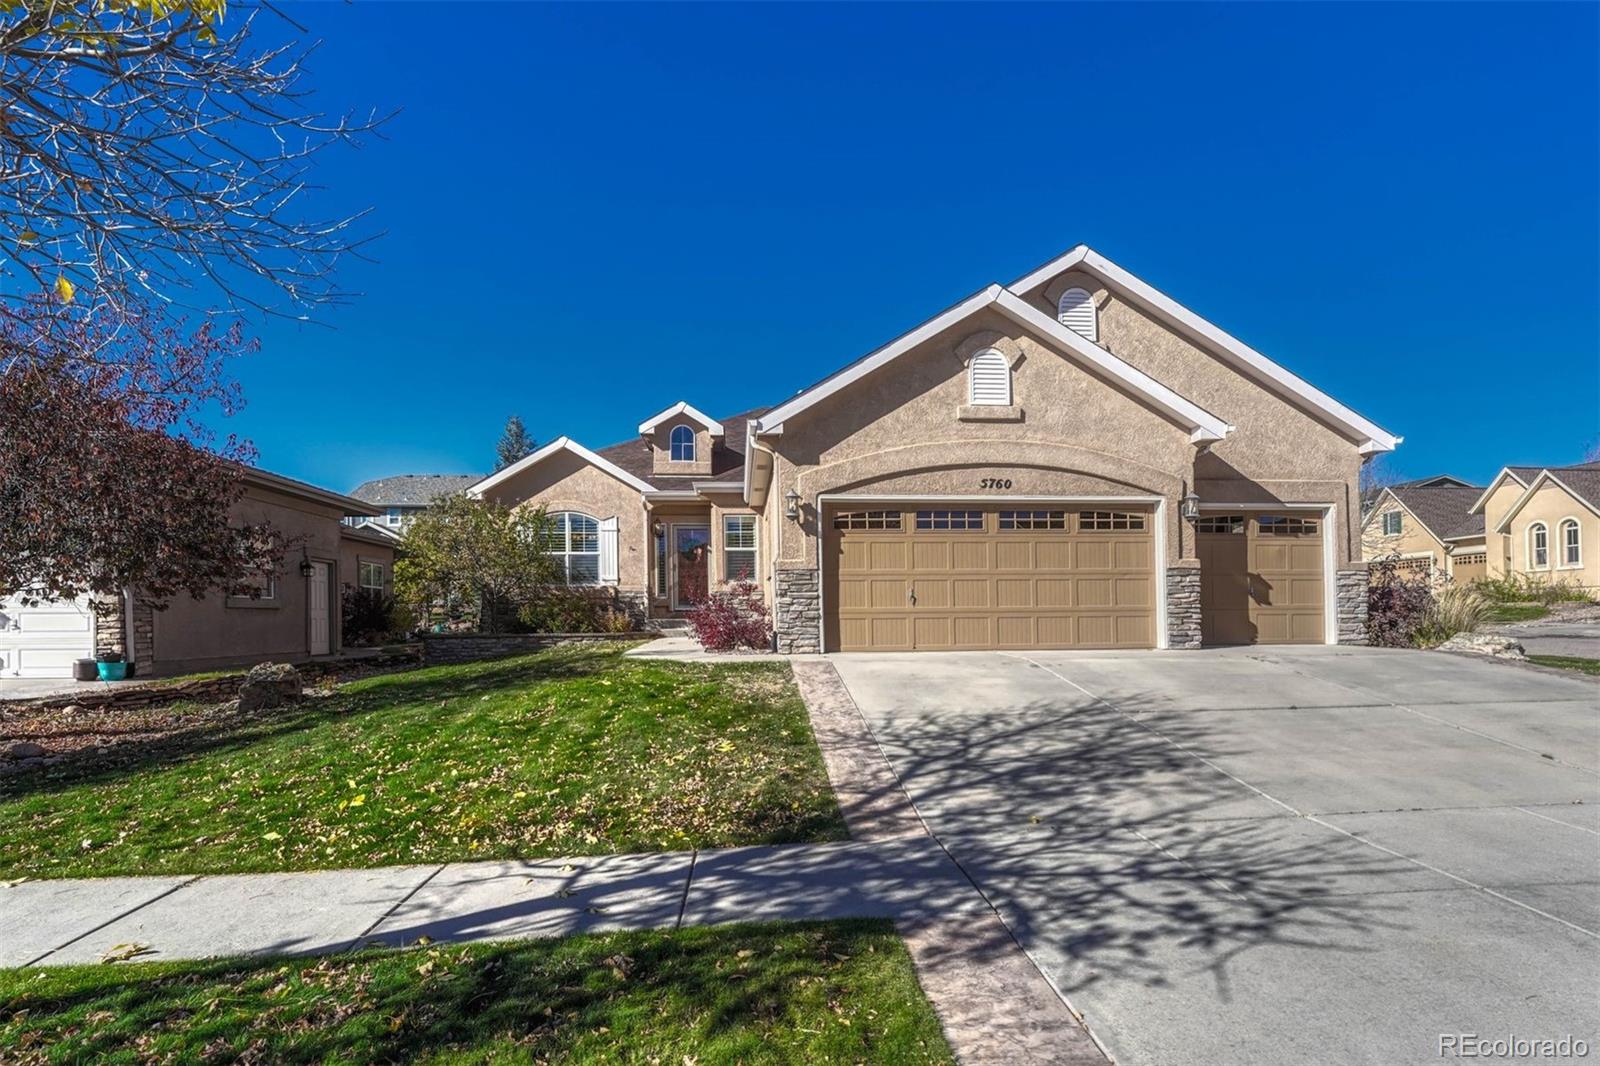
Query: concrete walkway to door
(1269,855)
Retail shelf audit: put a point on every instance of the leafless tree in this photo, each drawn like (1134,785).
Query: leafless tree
(155,149)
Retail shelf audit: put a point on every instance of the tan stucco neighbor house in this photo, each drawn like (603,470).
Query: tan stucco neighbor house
(1430,527)
(1012,473)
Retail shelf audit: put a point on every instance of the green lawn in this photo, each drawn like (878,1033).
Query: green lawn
(814,992)
(1568,662)
(1516,612)
(574,750)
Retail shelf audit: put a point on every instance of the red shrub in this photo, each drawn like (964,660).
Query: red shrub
(732,618)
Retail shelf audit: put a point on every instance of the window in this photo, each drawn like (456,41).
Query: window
(1109,521)
(258,588)
(1538,546)
(369,575)
(391,516)
(682,444)
(1391,523)
(1033,520)
(989,380)
(1075,310)
(1220,523)
(1277,525)
(739,547)
(888,520)
(967,520)
(1571,543)
(573,540)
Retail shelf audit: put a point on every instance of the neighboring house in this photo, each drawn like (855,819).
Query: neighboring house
(1544,522)
(1430,526)
(399,499)
(1008,474)
(296,617)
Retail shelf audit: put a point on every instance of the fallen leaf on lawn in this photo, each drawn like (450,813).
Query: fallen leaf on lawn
(424,939)
(359,800)
(745,953)
(124,952)
(272,836)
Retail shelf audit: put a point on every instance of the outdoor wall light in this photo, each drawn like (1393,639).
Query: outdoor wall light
(657,528)
(791,500)
(1189,507)
(305,564)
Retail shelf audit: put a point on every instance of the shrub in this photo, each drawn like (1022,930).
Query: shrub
(559,609)
(732,618)
(1397,606)
(369,616)
(1456,609)
(1522,588)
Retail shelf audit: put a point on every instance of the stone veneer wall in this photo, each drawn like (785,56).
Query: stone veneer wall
(1183,606)
(109,626)
(1352,605)
(798,625)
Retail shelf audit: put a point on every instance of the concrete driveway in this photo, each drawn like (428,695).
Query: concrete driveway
(1314,855)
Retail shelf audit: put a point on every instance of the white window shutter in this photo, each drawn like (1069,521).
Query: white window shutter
(989,379)
(1075,310)
(608,550)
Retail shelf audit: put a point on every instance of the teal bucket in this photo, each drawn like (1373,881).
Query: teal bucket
(111,671)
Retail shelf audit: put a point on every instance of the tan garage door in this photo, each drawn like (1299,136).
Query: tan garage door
(1261,579)
(961,577)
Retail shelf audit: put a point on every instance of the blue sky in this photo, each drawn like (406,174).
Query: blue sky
(592,212)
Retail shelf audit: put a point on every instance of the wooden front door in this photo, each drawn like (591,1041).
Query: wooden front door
(691,565)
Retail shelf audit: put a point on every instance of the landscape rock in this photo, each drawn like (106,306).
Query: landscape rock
(1485,644)
(270,685)
(24,749)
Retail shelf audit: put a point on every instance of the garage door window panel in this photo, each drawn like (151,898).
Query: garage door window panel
(1110,521)
(888,521)
(952,521)
(1030,520)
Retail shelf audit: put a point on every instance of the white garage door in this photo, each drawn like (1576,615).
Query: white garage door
(43,641)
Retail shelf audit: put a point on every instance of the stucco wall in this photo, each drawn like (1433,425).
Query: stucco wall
(1498,545)
(1412,540)
(353,551)
(200,633)
(565,482)
(661,448)
(1552,505)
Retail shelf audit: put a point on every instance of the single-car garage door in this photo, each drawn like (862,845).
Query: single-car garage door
(1261,579)
(962,577)
(43,640)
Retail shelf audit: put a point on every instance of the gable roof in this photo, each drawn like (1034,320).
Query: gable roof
(1202,425)
(1524,476)
(1370,437)
(370,532)
(1581,482)
(1440,481)
(412,490)
(1445,511)
(727,456)
(681,408)
(560,444)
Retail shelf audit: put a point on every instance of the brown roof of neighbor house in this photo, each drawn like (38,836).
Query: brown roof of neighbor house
(1582,478)
(727,455)
(412,490)
(1440,481)
(1444,509)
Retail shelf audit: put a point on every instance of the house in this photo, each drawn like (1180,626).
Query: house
(1430,527)
(1544,523)
(296,616)
(1072,460)
(401,497)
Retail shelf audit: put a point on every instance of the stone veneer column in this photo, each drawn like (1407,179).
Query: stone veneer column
(1351,605)
(110,631)
(798,621)
(1183,604)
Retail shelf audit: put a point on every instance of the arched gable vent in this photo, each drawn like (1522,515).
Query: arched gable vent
(989,380)
(1075,310)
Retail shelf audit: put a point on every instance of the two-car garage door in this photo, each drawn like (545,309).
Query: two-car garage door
(967,577)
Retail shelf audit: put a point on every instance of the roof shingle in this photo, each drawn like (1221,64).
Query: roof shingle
(412,490)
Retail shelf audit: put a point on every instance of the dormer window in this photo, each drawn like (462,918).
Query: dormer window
(682,444)
(1075,310)
(989,380)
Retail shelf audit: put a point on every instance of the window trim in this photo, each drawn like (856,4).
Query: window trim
(1572,522)
(362,566)
(566,554)
(754,550)
(1399,522)
(673,442)
(1532,557)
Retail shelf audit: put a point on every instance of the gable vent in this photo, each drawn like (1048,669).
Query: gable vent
(990,380)
(1075,310)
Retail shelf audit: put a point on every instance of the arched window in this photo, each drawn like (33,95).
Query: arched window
(1538,546)
(1075,310)
(573,540)
(989,380)
(1571,543)
(682,444)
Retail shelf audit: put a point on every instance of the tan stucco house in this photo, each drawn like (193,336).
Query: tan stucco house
(296,616)
(1071,460)
(1429,526)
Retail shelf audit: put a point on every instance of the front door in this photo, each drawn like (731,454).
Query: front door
(691,565)
(317,609)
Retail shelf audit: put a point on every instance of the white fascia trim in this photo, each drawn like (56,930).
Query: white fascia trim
(672,494)
(772,421)
(1203,426)
(718,486)
(682,408)
(1372,438)
(1505,472)
(558,445)
(1059,265)
(1544,476)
